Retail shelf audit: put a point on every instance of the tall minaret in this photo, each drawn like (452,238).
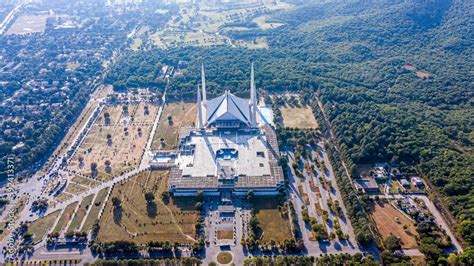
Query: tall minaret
(253,98)
(199,105)
(203,84)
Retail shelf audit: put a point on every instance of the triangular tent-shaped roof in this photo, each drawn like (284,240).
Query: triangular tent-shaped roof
(228,107)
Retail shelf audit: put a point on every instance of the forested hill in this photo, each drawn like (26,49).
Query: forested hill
(382,109)
(366,55)
(396,78)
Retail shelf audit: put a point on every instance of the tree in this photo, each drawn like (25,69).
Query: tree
(94,167)
(198,205)
(453,259)
(392,243)
(250,195)
(467,230)
(116,202)
(431,251)
(107,118)
(149,197)
(199,195)
(467,257)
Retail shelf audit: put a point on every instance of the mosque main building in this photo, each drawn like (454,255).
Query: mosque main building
(228,152)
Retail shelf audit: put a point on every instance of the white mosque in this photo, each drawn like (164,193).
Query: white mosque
(227,152)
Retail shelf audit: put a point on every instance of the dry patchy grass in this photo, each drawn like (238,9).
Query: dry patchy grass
(40,226)
(28,24)
(128,134)
(85,181)
(140,222)
(80,213)
(65,217)
(74,188)
(301,117)
(272,222)
(182,114)
(94,213)
(225,234)
(384,215)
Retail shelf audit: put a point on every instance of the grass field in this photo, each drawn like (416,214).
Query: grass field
(225,234)
(76,126)
(128,132)
(139,221)
(80,213)
(182,114)
(40,226)
(74,188)
(384,215)
(136,44)
(84,181)
(264,25)
(62,197)
(224,257)
(65,217)
(257,43)
(94,213)
(28,24)
(207,23)
(272,223)
(298,117)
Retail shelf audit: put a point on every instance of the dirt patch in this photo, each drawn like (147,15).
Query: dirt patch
(408,67)
(423,74)
(391,221)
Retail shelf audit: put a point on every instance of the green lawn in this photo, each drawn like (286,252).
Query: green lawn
(40,226)
(65,217)
(80,213)
(94,213)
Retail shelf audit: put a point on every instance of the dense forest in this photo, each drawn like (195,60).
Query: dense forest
(394,76)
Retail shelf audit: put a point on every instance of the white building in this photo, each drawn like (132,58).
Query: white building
(227,152)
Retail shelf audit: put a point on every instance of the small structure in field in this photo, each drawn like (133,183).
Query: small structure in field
(366,185)
(416,181)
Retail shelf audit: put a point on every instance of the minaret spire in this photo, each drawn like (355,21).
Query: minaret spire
(253,98)
(199,105)
(203,84)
